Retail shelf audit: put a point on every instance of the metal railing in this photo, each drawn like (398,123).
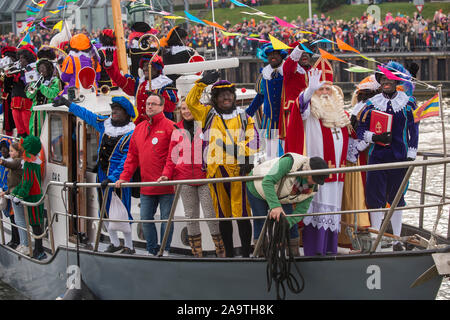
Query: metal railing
(406,164)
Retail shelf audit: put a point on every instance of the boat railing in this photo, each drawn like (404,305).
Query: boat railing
(395,165)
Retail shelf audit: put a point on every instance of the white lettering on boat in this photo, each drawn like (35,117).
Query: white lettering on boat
(374,280)
(74,279)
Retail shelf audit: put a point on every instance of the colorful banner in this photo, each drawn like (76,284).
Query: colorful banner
(429,109)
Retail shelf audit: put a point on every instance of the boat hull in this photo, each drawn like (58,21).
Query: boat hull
(109,276)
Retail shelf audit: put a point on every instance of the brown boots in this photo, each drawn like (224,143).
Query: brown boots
(196,245)
(218,242)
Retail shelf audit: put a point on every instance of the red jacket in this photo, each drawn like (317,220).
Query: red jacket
(185,155)
(149,146)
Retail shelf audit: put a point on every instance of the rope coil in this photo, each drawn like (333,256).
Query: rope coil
(278,265)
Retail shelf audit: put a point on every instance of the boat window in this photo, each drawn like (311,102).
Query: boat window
(91,147)
(56,139)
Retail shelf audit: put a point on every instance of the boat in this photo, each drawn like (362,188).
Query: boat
(74,238)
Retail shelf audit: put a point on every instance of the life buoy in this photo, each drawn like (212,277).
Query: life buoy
(197,58)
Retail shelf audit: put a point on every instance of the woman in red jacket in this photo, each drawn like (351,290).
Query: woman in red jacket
(185,162)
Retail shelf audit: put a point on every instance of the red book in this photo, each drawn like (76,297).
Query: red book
(380,122)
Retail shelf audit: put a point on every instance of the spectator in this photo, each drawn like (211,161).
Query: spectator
(185,162)
(14,167)
(5,158)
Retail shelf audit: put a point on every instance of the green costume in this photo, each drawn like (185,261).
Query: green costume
(29,189)
(45,93)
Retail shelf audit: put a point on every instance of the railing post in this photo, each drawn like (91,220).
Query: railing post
(27,223)
(394,204)
(169,221)
(2,230)
(50,228)
(100,222)
(422,192)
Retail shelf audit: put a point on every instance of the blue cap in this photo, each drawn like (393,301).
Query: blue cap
(126,104)
(268,48)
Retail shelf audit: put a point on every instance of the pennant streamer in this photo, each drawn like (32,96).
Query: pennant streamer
(389,74)
(231,34)
(58,26)
(213,24)
(367,58)
(31,13)
(329,56)
(192,18)
(322,40)
(277,44)
(33,9)
(359,69)
(55,12)
(25,40)
(238,3)
(284,23)
(174,17)
(306,49)
(42,25)
(343,46)
(256,39)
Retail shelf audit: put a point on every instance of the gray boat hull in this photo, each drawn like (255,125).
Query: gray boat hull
(109,276)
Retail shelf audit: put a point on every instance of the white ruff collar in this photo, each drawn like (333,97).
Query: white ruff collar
(113,131)
(300,69)
(228,116)
(158,82)
(398,102)
(107,47)
(267,71)
(177,49)
(79,54)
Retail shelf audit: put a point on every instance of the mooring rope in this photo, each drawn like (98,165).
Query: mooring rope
(278,266)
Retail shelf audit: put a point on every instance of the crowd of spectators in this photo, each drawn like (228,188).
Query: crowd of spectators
(393,33)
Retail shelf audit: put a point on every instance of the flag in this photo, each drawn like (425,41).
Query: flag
(345,47)
(283,23)
(238,3)
(329,56)
(429,109)
(25,40)
(277,44)
(306,49)
(359,69)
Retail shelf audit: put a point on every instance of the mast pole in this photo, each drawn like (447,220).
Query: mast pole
(214,29)
(120,37)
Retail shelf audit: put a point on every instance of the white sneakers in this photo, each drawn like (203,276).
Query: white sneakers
(22,249)
(165,253)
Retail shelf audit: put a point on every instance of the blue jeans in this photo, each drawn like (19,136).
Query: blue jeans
(149,204)
(261,208)
(19,216)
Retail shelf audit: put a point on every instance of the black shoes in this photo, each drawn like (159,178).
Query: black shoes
(397,247)
(12,244)
(127,251)
(111,248)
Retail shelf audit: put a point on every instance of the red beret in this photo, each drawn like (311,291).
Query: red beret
(30,48)
(8,49)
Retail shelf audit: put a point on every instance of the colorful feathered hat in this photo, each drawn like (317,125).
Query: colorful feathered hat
(400,71)
(268,48)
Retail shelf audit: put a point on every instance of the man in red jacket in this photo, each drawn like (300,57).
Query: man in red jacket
(148,150)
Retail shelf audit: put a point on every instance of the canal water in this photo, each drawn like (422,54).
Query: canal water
(430,140)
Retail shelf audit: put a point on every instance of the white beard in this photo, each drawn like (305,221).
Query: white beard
(329,109)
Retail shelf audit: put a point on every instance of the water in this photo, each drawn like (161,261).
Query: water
(430,139)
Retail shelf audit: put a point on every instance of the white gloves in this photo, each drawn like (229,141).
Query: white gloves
(314,84)
(16,200)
